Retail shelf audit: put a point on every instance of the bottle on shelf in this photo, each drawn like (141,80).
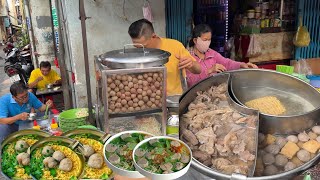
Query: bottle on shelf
(54,128)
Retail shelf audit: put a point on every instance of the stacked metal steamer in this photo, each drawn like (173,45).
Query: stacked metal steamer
(132,86)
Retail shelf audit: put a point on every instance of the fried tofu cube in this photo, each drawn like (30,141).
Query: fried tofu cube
(290,149)
(270,139)
(312,146)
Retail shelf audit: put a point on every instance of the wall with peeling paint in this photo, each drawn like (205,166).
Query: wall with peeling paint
(42,28)
(107,29)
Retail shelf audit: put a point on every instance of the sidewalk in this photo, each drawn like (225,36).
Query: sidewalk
(4,79)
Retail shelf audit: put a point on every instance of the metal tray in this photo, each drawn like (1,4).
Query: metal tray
(191,94)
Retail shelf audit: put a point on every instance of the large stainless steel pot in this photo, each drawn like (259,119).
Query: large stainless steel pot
(190,95)
(301,100)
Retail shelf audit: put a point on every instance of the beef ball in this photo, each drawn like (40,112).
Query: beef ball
(289,166)
(23,159)
(316,129)
(65,165)
(303,155)
(270,170)
(88,150)
(268,159)
(58,155)
(21,146)
(293,138)
(47,151)
(273,149)
(95,161)
(50,162)
(303,137)
(281,160)
(281,141)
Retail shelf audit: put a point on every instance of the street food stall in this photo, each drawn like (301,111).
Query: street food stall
(132,90)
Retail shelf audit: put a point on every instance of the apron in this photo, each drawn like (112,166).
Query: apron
(7,129)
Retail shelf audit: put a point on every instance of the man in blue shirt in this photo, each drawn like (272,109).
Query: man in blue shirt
(15,108)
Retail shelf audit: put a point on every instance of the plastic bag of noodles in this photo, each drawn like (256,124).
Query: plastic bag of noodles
(302,36)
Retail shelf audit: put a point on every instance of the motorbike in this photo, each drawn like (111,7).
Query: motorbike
(18,65)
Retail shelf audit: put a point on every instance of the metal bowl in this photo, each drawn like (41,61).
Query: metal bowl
(72,144)
(301,100)
(15,137)
(122,172)
(32,116)
(102,135)
(155,176)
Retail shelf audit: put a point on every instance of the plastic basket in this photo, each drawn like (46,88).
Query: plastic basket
(285,69)
(68,120)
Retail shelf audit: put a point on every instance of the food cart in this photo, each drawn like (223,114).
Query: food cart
(132,90)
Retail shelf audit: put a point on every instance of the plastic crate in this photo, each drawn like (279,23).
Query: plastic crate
(285,69)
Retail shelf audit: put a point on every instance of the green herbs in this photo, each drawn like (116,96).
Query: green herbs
(9,155)
(37,165)
(119,150)
(162,156)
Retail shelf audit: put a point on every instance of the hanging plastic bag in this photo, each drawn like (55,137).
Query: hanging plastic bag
(147,12)
(303,68)
(302,37)
(229,44)
(254,49)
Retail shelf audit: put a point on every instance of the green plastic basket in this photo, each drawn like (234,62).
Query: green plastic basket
(68,120)
(285,69)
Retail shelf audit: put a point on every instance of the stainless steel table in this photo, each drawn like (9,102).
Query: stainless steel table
(42,92)
(41,122)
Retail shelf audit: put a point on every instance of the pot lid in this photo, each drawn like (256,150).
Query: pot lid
(134,58)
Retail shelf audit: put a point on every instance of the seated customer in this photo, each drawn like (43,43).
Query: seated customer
(211,61)
(15,108)
(44,75)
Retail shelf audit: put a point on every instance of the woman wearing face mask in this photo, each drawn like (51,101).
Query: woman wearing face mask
(211,61)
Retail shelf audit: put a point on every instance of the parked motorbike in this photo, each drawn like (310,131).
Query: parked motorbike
(18,65)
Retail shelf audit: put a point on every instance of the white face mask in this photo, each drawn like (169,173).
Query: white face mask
(202,45)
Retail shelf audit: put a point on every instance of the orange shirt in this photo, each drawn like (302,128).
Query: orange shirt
(176,49)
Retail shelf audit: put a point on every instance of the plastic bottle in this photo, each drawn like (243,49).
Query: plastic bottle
(54,129)
(35,125)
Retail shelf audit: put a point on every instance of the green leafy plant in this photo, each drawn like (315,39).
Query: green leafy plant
(22,38)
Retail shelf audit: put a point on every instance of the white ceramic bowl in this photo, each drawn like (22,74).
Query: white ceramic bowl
(122,172)
(155,176)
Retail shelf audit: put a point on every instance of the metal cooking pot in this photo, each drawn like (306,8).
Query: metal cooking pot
(133,58)
(190,95)
(300,99)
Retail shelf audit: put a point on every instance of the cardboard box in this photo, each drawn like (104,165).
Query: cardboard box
(313,63)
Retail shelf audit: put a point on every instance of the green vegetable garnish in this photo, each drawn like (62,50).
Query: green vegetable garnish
(104,176)
(53,172)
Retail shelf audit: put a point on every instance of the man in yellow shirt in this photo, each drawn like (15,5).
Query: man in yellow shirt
(44,75)
(142,32)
